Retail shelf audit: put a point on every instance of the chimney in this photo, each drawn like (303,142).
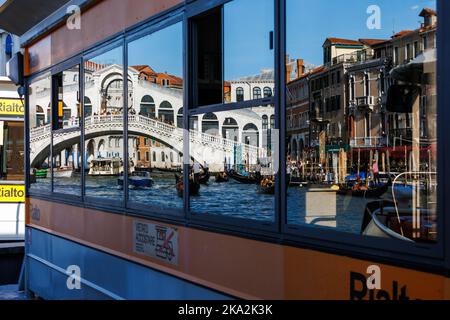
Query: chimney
(288,69)
(300,68)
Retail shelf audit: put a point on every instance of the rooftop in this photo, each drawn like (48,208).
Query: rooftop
(266,75)
(343,41)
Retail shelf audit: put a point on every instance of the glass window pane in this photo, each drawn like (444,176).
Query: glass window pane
(362,146)
(233,164)
(40,133)
(248,49)
(66,143)
(156,117)
(234,53)
(12,150)
(104,158)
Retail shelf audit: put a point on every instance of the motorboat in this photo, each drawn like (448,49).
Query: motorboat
(137,179)
(63,172)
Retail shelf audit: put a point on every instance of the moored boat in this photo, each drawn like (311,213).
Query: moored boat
(375,192)
(249,179)
(41,173)
(384,219)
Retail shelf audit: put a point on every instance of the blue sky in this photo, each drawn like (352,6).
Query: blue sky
(309,23)
(162,50)
(249,22)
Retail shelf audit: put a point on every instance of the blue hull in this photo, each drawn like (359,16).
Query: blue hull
(137,182)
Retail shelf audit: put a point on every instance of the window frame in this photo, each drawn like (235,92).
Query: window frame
(158,24)
(193,10)
(55,71)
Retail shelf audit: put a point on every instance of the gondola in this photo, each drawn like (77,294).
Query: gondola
(243,179)
(368,193)
(194,187)
(266,189)
(204,177)
(222,177)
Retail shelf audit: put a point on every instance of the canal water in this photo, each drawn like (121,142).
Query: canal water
(318,208)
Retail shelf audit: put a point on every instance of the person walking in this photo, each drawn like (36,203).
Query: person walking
(376,172)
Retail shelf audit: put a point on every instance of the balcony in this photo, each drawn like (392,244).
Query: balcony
(366,103)
(366,142)
(317,116)
(400,137)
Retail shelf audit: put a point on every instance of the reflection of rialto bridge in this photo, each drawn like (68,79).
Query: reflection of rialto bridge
(156,113)
(204,147)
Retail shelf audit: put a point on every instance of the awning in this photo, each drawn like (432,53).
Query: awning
(413,71)
(19,16)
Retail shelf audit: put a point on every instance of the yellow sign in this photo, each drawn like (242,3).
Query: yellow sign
(12,193)
(11,107)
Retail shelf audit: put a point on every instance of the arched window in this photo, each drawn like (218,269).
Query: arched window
(180,118)
(87,107)
(265,122)
(171,157)
(256,93)
(210,124)
(230,129)
(40,116)
(366,85)
(250,135)
(272,122)
(352,88)
(239,94)
(165,112)
(267,92)
(154,156)
(147,107)
(163,156)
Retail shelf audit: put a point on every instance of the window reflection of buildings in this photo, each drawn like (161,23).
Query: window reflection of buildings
(347,95)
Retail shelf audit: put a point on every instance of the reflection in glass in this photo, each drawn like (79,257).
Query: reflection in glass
(234,53)
(40,133)
(155,120)
(248,50)
(361,121)
(67,137)
(233,165)
(12,151)
(104,145)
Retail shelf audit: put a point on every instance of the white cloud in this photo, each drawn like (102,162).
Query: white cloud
(415,7)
